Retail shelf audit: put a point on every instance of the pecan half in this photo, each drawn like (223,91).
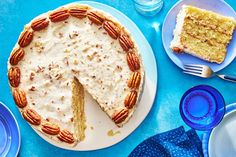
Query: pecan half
(133,61)
(66,136)
(20,98)
(78,11)
(32,116)
(120,116)
(25,38)
(131,99)
(59,15)
(96,17)
(51,129)
(111,29)
(14,76)
(17,55)
(134,80)
(125,42)
(39,23)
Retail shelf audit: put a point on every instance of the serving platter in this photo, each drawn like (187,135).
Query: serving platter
(99,126)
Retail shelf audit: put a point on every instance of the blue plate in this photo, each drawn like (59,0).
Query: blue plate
(9,133)
(218,6)
(208,136)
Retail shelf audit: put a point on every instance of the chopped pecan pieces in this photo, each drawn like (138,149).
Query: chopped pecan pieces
(14,76)
(177,49)
(17,56)
(20,98)
(32,88)
(32,75)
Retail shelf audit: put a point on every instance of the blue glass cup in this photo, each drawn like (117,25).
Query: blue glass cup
(202,107)
(148,7)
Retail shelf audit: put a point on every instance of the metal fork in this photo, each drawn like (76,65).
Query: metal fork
(205,72)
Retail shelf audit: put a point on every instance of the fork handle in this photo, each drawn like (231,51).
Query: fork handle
(228,78)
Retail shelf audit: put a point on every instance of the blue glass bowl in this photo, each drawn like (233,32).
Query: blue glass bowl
(202,107)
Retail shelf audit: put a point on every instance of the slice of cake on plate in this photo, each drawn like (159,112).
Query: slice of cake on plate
(63,52)
(202,33)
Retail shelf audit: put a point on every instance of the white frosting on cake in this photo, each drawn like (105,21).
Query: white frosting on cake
(178,29)
(77,48)
(73,48)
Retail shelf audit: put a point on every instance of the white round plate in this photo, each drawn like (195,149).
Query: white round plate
(98,123)
(222,140)
(218,6)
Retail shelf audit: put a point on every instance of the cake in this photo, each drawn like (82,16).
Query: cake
(202,33)
(65,52)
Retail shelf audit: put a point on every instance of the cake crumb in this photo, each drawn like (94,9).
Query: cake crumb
(62,98)
(75,62)
(66,51)
(112,133)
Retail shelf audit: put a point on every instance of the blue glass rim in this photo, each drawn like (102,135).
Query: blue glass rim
(220,109)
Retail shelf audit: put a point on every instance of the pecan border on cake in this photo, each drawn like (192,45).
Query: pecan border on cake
(113,29)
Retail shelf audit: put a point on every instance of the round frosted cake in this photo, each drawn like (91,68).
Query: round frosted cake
(60,54)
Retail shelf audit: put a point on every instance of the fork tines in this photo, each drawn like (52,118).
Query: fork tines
(193,69)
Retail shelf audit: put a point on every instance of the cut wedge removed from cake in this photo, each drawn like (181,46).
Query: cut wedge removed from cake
(202,33)
(65,52)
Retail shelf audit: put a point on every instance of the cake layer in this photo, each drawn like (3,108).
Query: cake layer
(203,50)
(206,33)
(210,19)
